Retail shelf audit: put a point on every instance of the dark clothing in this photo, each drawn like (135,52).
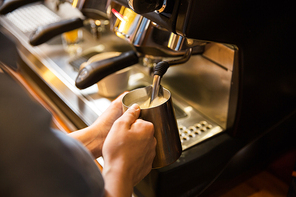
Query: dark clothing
(36,160)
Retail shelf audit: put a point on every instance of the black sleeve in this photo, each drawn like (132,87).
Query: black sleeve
(36,160)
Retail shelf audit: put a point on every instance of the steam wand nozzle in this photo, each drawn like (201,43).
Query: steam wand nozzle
(162,67)
(160,70)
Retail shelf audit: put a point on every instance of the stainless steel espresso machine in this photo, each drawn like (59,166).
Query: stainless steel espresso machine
(248,87)
(234,98)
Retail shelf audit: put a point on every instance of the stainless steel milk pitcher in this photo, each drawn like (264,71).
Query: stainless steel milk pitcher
(162,115)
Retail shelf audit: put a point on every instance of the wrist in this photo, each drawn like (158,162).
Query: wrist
(91,139)
(118,182)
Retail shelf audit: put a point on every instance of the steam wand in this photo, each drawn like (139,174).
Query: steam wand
(160,70)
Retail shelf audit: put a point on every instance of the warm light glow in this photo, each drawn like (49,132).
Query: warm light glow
(74,4)
(188,109)
(97,22)
(48,76)
(137,76)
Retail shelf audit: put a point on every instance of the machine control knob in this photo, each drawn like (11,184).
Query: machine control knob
(145,6)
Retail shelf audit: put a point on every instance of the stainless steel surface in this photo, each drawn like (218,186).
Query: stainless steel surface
(51,62)
(155,87)
(168,147)
(200,88)
(126,29)
(164,4)
(221,54)
(204,85)
(141,32)
(28,18)
(176,42)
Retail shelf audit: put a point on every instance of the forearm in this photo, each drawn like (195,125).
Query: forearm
(117,184)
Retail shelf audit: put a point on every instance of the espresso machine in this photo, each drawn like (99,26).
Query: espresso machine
(234,96)
(246,94)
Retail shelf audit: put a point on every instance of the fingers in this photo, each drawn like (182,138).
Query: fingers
(148,127)
(134,110)
(113,112)
(115,109)
(130,116)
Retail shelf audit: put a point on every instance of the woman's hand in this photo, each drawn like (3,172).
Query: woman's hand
(93,137)
(128,153)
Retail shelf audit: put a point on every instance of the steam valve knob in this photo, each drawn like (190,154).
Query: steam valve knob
(145,6)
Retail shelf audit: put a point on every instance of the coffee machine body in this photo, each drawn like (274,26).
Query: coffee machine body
(260,32)
(261,95)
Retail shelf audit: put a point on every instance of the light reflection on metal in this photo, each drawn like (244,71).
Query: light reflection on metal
(176,42)
(74,3)
(118,15)
(188,109)
(49,76)
(164,4)
(126,24)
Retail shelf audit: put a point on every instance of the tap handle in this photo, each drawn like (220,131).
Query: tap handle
(145,6)
(96,71)
(47,32)
(161,67)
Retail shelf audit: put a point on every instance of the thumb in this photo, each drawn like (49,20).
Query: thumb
(132,114)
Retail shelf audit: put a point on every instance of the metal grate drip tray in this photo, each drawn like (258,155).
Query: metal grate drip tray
(29,18)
